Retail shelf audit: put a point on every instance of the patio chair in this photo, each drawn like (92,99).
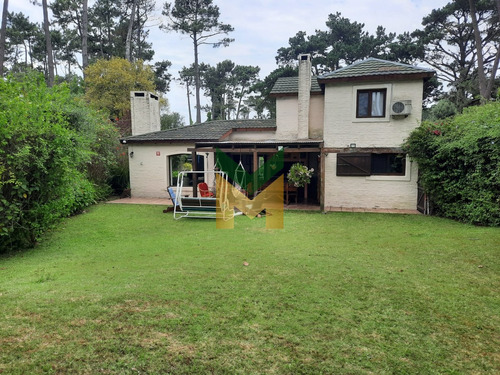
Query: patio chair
(204,191)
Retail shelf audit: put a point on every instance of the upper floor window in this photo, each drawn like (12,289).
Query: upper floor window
(371,103)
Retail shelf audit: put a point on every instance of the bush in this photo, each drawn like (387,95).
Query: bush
(48,143)
(459,162)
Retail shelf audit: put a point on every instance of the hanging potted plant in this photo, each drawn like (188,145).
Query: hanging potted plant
(299,175)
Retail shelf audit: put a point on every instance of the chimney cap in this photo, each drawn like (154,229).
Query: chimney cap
(304,57)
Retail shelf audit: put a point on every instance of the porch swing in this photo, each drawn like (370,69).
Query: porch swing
(208,207)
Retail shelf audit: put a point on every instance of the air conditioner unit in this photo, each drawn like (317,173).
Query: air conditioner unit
(401,108)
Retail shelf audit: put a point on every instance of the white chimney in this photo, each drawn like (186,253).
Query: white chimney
(144,112)
(304,95)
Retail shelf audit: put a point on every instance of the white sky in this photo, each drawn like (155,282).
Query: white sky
(264,26)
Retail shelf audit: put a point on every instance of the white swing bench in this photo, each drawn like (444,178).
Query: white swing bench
(199,207)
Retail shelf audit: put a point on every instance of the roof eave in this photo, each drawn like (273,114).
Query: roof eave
(377,77)
(151,141)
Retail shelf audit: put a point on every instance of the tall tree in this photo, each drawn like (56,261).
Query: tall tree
(245,78)
(21,35)
(217,82)
(85,34)
(263,104)
(344,42)
(186,77)
(103,17)
(162,76)
(128,41)
(48,42)
(200,20)
(485,85)
(450,45)
(2,34)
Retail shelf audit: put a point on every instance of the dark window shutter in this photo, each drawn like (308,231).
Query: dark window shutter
(353,164)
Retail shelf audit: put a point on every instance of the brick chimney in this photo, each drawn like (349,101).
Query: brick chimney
(144,112)
(304,95)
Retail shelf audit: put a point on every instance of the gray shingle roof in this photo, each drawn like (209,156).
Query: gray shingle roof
(375,67)
(208,131)
(290,85)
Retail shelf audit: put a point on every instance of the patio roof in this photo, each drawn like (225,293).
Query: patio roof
(306,145)
(207,131)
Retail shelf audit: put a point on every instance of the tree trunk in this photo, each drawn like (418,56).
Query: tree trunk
(2,35)
(479,48)
(48,42)
(128,42)
(239,103)
(189,104)
(85,35)
(491,81)
(197,80)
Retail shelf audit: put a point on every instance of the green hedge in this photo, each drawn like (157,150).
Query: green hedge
(46,157)
(459,163)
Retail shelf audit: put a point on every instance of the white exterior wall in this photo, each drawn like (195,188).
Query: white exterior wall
(287,118)
(149,171)
(287,115)
(342,129)
(372,192)
(316,116)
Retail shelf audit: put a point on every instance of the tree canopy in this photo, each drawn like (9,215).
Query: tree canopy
(199,19)
(450,47)
(109,83)
(343,43)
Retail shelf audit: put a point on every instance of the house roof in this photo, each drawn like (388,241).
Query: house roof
(372,67)
(211,131)
(290,86)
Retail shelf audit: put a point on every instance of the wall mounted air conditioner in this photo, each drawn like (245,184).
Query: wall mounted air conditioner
(401,108)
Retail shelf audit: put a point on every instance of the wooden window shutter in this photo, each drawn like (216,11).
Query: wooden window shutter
(354,164)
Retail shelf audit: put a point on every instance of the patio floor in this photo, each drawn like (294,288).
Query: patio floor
(305,207)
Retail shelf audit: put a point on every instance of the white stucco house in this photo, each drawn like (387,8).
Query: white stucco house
(348,125)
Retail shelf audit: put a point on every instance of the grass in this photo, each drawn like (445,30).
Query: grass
(128,290)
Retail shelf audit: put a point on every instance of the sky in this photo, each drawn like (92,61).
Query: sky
(261,27)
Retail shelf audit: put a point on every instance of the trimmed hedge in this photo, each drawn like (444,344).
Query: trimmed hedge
(459,163)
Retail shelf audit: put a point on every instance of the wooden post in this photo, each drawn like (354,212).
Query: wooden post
(195,175)
(255,168)
(322,181)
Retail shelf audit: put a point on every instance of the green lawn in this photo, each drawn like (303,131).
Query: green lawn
(125,289)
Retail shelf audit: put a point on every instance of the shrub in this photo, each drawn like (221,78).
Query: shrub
(47,144)
(459,162)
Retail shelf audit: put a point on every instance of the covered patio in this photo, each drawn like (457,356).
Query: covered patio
(252,156)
